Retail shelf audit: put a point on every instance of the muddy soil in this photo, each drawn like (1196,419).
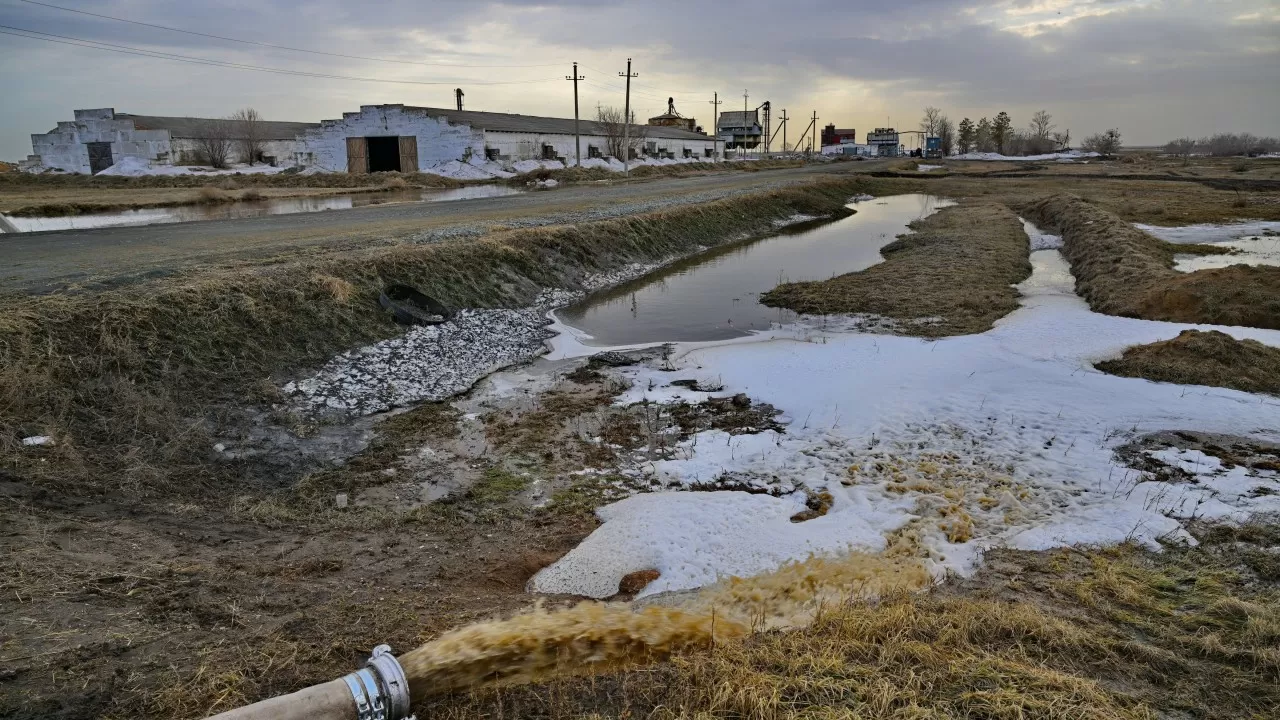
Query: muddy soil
(181,610)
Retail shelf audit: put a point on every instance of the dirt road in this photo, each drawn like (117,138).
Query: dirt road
(41,262)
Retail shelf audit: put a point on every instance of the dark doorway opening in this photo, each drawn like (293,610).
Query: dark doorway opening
(99,157)
(384,154)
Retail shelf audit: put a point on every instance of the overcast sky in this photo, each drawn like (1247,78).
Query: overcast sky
(1154,69)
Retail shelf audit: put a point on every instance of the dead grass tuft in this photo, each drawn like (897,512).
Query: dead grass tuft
(1121,270)
(952,276)
(211,194)
(340,290)
(1197,357)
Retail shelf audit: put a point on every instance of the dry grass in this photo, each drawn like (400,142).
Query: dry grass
(1121,270)
(26,195)
(127,379)
(1203,358)
(1107,634)
(958,266)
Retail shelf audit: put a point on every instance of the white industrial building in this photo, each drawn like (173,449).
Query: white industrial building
(99,138)
(378,138)
(402,138)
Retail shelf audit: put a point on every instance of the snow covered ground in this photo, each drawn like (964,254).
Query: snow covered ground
(1000,439)
(1254,243)
(136,167)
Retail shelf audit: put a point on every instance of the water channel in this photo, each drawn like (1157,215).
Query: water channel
(247,209)
(715,295)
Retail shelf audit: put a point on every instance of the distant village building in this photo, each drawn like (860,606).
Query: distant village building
(99,138)
(739,129)
(885,142)
(402,138)
(671,118)
(833,136)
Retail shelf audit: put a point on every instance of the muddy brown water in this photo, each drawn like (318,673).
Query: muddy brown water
(715,295)
(246,209)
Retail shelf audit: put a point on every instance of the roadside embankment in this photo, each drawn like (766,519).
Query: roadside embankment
(1197,357)
(23,195)
(952,276)
(1121,270)
(131,383)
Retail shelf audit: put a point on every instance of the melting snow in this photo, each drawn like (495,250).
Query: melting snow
(1252,243)
(1073,155)
(1003,438)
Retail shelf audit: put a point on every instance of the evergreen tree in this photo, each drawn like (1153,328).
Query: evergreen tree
(965,139)
(982,136)
(1001,129)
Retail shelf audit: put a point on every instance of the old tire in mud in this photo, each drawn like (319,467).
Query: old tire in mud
(410,307)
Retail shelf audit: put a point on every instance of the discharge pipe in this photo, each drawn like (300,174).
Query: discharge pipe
(378,691)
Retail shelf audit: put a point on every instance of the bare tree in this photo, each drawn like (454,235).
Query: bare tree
(1041,125)
(1062,140)
(1105,143)
(929,121)
(248,133)
(612,126)
(213,144)
(1182,147)
(946,133)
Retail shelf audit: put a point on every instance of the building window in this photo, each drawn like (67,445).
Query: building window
(707,152)
(490,153)
(688,152)
(632,152)
(650,148)
(548,152)
(593,151)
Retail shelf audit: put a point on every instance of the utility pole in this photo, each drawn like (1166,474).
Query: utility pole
(784,131)
(577,144)
(815,131)
(626,121)
(744,120)
(715,121)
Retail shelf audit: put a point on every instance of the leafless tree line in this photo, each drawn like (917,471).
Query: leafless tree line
(1223,145)
(243,131)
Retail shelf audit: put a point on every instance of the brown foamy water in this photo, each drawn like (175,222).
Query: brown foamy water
(598,637)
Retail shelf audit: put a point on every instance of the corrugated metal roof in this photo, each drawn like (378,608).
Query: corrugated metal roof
(507,122)
(739,118)
(190,127)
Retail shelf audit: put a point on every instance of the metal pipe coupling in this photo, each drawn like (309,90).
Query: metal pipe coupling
(379,688)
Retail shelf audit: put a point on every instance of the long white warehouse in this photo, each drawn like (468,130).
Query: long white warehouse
(382,138)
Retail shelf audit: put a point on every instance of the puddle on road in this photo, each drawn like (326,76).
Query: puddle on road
(715,295)
(246,209)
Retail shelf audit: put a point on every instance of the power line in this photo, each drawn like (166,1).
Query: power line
(269,45)
(128,50)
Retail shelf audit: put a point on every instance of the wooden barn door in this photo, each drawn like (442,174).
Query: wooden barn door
(408,154)
(357,156)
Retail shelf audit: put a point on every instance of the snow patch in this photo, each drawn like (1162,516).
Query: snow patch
(1006,438)
(1040,240)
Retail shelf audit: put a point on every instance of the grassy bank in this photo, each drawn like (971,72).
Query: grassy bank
(1121,270)
(952,276)
(55,196)
(1203,358)
(1102,634)
(128,381)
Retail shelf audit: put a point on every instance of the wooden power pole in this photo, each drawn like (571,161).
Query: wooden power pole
(626,121)
(715,122)
(577,144)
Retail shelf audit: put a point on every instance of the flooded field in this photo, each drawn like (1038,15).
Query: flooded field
(715,295)
(246,209)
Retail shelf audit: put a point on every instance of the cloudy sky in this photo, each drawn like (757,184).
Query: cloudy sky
(1155,69)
